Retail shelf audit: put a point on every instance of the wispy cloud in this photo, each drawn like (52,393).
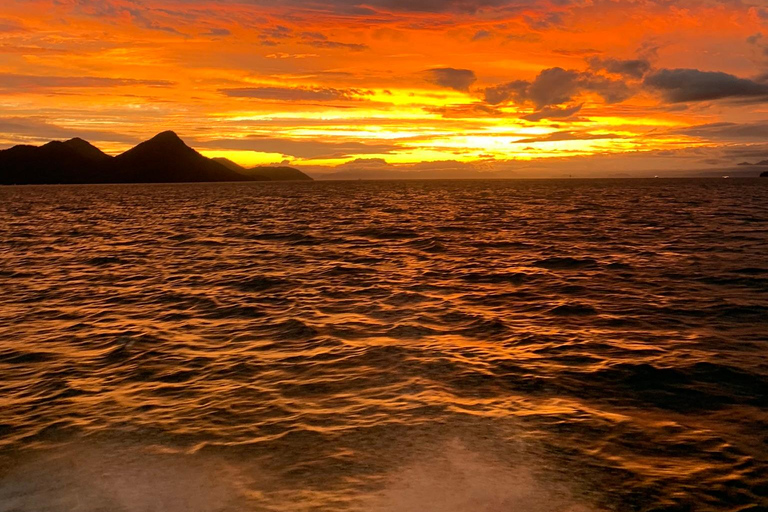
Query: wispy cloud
(297,93)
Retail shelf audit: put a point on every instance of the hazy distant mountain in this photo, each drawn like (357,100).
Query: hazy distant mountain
(73,161)
(430,174)
(229,164)
(165,158)
(278,173)
(269,173)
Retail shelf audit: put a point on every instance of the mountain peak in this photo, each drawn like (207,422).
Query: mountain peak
(85,148)
(165,146)
(167,136)
(166,158)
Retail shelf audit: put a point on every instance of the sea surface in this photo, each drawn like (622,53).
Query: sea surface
(435,346)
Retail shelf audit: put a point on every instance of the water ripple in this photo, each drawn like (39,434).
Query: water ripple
(446,346)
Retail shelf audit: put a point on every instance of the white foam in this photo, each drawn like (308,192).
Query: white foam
(459,480)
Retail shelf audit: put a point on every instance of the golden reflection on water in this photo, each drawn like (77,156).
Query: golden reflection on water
(441,346)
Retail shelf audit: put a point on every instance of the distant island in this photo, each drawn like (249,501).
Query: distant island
(764,174)
(164,158)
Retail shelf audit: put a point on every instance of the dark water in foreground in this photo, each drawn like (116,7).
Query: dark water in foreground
(393,346)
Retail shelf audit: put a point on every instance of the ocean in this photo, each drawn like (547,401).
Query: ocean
(424,346)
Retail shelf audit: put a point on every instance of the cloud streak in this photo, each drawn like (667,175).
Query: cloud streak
(21,83)
(306,149)
(297,93)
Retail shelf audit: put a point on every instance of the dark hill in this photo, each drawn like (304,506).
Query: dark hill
(165,158)
(73,161)
(764,174)
(278,173)
(268,173)
(86,149)
(229,164)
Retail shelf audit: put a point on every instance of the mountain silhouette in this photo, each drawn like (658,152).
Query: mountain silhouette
(85,149)
(229,164)
(73,161)
(278,173)
(271,173)
(764,174)
(164,158)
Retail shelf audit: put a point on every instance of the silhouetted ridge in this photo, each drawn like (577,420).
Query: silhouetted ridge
(73,161)
(278,173)
(268,173)
(229,164)
(157,145)
(764,174)
(164,158)
(86,149)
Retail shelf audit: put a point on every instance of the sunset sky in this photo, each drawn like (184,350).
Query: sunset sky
(486,84)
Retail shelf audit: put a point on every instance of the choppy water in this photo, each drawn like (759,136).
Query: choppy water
(392,346)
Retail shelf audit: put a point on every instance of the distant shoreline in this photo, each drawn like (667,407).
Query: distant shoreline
(386,180)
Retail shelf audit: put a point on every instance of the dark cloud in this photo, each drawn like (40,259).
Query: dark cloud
(727,131)
(555,86)
(755,38)
(510,91)
(482,34)
(141,20)
(138,14)
(577,52)
(306,149)
(217,32)
(297,93)
(633,68)
(361,7)
(469,6)
(464,111)
(273,35)
(314,35)
(568,135)
(458,79)
(756,151)
(335,44)
(318,40)
(7,25)
(16,83)
(277,32)
(683,85)
(552,113)
(28,50)
(761,13)
(545,21)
